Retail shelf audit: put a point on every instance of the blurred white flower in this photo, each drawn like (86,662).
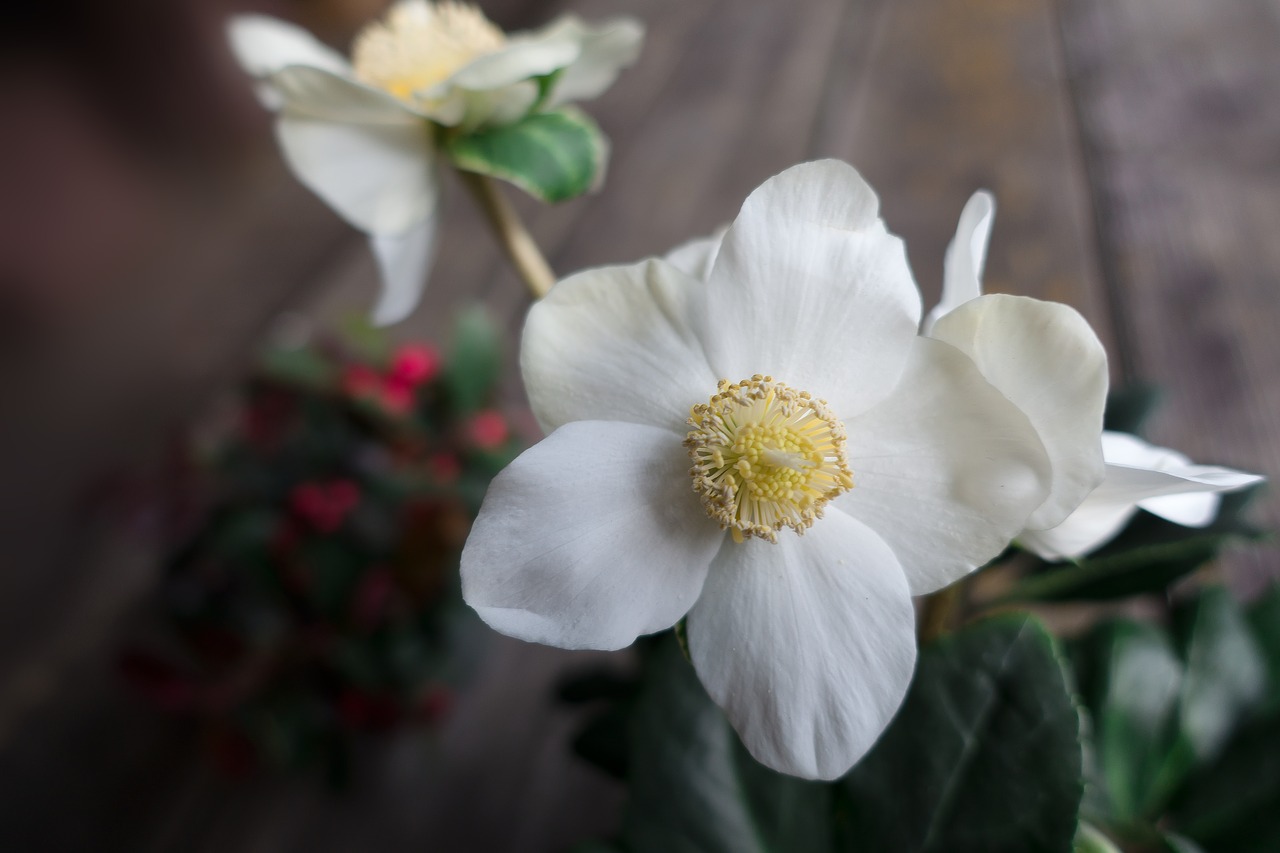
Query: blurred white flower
(1139,476)
(1043,356)
(697,427)
(362,134)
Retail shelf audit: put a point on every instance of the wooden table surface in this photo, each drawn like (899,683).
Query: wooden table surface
(1134,150)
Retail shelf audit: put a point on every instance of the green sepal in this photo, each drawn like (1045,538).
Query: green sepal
(553,156)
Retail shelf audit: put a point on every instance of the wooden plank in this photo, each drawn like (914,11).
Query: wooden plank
(960,96)
(1178,112)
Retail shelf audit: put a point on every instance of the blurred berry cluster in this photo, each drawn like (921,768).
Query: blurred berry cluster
(315,595)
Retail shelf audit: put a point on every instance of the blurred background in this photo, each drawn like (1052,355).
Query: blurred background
(152,242)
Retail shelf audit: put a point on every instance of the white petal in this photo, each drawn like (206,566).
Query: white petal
(829,193)
(1183,495)
(1046,359)
(380,178)
(614,343)
(404,261)
(590,538)
(472,109)
(314,93)
(696,257)
(1186,494)
(808,644)
(606,50)
(524,57)
(966,256)
(946,470)
(263,45)
(824,310)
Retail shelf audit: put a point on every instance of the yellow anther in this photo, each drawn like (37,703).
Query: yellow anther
(419,44)
(784,447)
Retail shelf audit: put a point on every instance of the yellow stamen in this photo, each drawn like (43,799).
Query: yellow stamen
(765,457)
(420,44)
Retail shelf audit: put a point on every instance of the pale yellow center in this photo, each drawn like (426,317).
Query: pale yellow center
(419,44)
(766,457)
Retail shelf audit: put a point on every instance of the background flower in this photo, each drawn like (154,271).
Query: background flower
(364,135)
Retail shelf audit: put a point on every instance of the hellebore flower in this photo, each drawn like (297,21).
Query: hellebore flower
(1139,476)
(774,451)
(363,135)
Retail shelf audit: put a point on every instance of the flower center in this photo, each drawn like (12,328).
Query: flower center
(420,44)
(765,457)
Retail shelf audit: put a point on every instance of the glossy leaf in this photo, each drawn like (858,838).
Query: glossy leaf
(553,156)
(1231,805)
(1130,678)
(475,361)
(694,788)
(1225,672)
(983,756)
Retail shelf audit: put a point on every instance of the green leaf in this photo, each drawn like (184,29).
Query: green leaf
(1264,622)
(1131,680)
(553,156)
(1090,840)
(1225,673)
(1149,556)
(983,756)
(1128,408)
(1175,843)
(302,367)
(694,788)
(1230,806)
(475,361)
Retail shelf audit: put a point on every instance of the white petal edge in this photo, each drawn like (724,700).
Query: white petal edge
(315,93)
(380,178)
(946,470)
(525,56)
(606,50)
(614,343)
(696,257)
(821,309)
(589,539)
(263,45)
(404,262)
(966,256)
(1045,358)
(1187,495)
(807,644)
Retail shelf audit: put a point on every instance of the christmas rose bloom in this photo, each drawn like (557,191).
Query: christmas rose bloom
(774,452)
(362,134)
(1076,518)
(1138,476)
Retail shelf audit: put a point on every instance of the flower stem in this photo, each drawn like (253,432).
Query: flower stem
(511,233)
(935,619)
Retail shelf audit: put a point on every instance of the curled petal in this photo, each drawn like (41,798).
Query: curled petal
(404,260)
(807,644)
(946,470)
(965,258)
(614,343)
(589,539)
(1048,362)
(696,257)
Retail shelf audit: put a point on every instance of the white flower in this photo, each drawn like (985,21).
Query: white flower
(794,382)
(362,134)
(1139,476)
(1043,356)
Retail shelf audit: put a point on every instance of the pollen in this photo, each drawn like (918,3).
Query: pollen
(419,44)
(766,456)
